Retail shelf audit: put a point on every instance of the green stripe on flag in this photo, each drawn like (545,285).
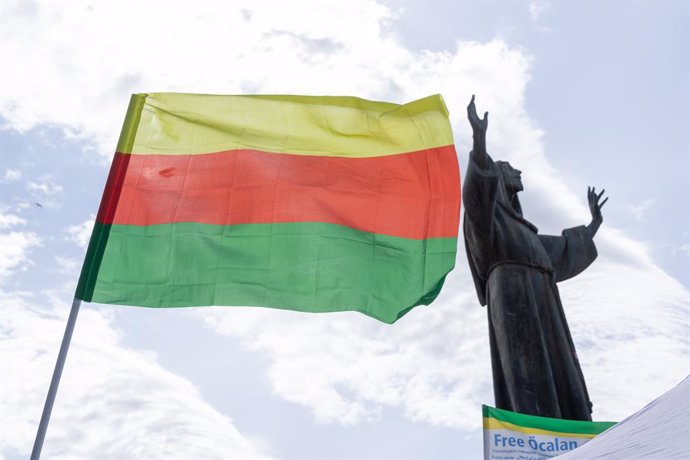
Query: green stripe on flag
(307,266)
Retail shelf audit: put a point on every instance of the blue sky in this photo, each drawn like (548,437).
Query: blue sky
(586,93)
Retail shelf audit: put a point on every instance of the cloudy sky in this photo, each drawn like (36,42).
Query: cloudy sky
(593,94)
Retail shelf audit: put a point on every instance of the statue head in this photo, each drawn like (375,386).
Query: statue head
(510,177)
(511,185)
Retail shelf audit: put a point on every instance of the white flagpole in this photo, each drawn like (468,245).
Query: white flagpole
(52,391)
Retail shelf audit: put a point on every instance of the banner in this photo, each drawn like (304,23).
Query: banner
(513,436)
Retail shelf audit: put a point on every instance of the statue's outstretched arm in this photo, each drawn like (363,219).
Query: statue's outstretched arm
(479,126)
(595,208)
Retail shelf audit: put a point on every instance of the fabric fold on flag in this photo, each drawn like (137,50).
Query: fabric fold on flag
(307,203)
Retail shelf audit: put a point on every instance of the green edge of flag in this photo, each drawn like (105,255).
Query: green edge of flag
(546,423)
(92,261)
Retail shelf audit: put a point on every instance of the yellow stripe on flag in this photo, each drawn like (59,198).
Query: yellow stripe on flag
(175,123)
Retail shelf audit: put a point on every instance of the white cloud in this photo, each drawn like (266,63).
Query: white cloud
(12,175)
(13,251)
(46,187)
(631,325)
(9,220)
(638,211)
(346,368)
(67,265)
(45,191)
(81,233)
(536,9)
(14,246)
(683,248)
(118,403)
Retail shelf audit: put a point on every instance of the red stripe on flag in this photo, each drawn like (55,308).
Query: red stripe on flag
(411,195)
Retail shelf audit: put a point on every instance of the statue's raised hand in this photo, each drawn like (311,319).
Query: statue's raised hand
(594,204)
(479,125)
(595,208)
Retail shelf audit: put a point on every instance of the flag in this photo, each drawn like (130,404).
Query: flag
(306,203)
(514,436)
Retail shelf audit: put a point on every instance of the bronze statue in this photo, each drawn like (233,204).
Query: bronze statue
(515,270)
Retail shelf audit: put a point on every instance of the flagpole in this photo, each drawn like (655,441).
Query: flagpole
(52,391)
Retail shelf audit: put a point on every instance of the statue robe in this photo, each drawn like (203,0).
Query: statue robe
(535,368)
